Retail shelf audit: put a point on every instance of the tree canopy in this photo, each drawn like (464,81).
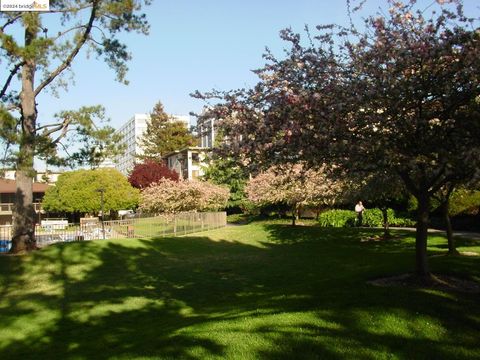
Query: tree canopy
(400,96)
(79,191)
(227,171)
(164,135)
(149,172)
(40,58)
(293,185)
(168,196)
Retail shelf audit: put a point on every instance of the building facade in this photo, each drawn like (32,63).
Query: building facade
(132,132)
(206,132)
(188,163)
(8,191)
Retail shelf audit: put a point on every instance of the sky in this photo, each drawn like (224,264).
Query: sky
(196,45)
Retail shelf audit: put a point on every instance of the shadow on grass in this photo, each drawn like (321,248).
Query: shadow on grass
(302,294)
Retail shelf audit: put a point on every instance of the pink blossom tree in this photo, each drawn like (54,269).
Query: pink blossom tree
(293,185)
(401,97)
(168,196)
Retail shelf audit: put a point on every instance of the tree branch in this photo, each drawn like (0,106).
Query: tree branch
(56,127)
(74,52)
(13,72)
(69,10)
(11,21)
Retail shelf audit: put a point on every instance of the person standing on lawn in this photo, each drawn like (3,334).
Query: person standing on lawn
(359,209)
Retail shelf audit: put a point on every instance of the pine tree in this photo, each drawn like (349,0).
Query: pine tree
(39,58)
(164,135)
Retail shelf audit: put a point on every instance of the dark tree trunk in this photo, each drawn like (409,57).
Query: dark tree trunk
(421,263)
(452,248)
(295,212)
(386,225)
(23,237)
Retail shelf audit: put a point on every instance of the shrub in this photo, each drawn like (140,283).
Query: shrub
(371,218)
(374,217)
(337,218)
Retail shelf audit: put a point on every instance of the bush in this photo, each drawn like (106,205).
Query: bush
(374,217)
(337,218)
(371,218)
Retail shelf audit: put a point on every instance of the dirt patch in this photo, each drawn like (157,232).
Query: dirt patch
(468,253)
(376,238)
(435,281)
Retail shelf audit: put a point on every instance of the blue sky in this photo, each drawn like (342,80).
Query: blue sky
(196,45)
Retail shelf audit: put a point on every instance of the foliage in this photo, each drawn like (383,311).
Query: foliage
(226,171)
(168,196)
(164,135)
(37,54)
(337,218)
(78,191)
(148,172)
(371,218)
(293,185)
(401,97)
(460,201)
(463,200)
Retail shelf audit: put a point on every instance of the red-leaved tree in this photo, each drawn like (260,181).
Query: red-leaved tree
(149,172)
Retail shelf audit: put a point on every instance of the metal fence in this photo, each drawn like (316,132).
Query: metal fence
(158,226)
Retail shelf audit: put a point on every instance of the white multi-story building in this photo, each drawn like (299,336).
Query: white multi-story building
(132,132)
(206,132)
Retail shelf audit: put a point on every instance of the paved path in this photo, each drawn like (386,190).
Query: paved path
(464,234)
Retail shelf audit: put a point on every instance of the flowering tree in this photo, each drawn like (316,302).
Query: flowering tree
(294,186)
(168,196)
(403,97)
(149,172)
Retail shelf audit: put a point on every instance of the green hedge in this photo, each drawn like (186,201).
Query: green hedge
(337,218)
(371,218)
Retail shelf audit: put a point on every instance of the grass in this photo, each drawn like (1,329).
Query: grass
(262,290)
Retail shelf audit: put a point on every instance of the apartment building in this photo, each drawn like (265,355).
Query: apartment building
(132,132)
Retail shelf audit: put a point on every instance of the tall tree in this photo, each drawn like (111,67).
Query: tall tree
(40,58)
(164,134)
(401,96)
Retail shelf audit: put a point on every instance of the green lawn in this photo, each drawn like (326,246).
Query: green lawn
(263,290)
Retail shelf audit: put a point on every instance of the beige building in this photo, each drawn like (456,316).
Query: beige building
(188,162)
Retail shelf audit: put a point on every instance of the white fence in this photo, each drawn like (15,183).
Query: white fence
(158,226)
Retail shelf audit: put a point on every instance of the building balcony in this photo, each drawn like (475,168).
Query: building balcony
(7,208)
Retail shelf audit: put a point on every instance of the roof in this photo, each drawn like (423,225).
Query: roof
(10,186)
(190,148)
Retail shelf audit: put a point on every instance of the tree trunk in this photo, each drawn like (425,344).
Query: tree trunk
(23,238)
(386,225)
(421,265)
(452,248)
(295,212)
